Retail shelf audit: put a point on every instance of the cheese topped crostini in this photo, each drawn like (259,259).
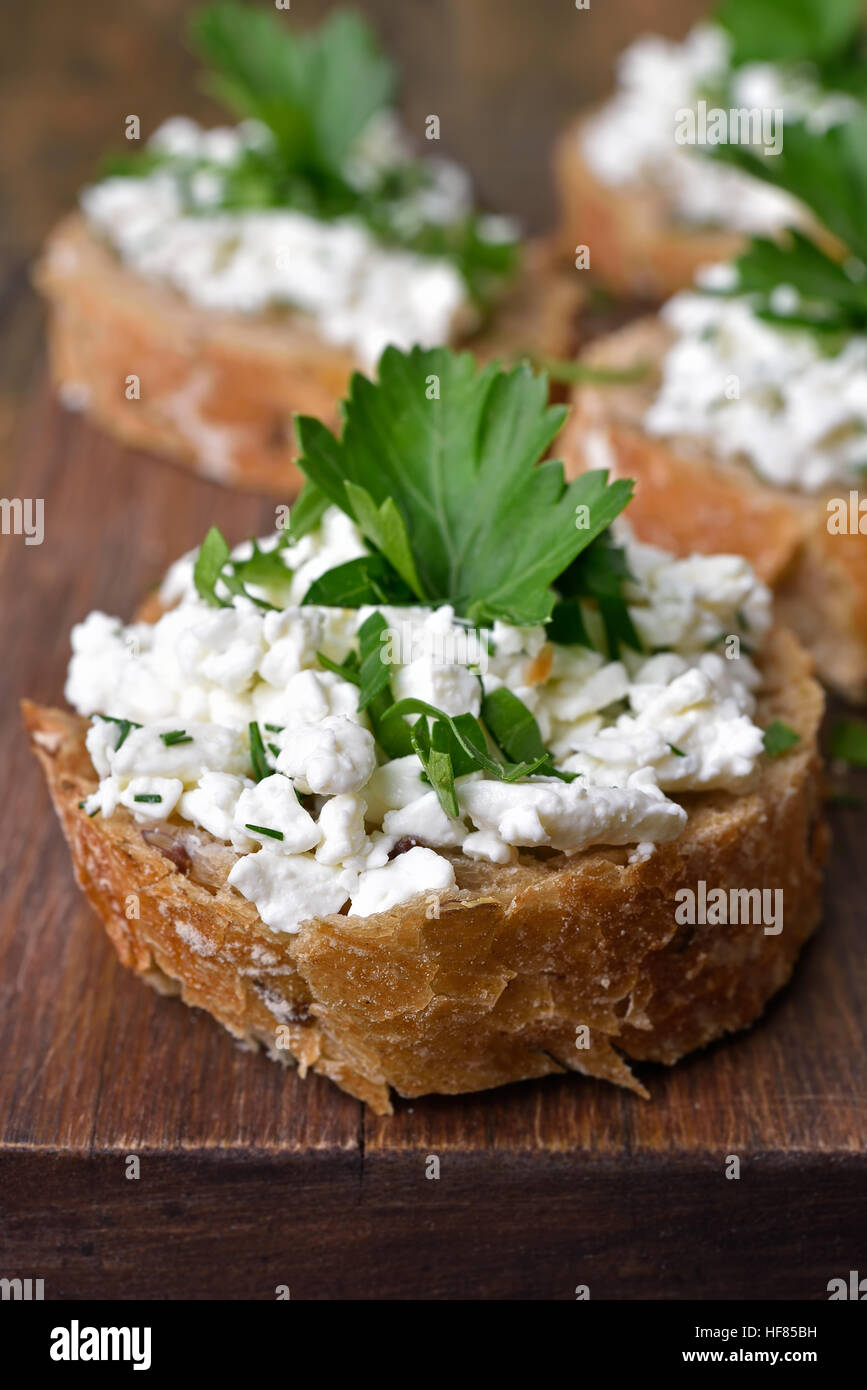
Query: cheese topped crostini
(220,279)
(637,178)
(415,790)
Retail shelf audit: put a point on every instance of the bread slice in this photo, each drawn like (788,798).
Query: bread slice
(687,500)
(636,248)
(489,982)
(218,390)
(637,245)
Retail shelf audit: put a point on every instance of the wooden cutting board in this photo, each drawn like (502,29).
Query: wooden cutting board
(250,1179)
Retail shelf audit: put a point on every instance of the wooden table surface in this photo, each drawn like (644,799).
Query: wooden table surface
(252,1179)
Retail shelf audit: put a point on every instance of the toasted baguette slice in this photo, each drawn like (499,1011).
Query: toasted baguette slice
(637,245)
(490,982)
(687,500)
(218,391)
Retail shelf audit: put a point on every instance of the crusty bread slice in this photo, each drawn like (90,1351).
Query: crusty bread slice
(488,983)
(637,245)
(686,500)
(636,248)
(218,391)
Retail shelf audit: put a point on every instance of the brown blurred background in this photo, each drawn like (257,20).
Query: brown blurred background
(503,76)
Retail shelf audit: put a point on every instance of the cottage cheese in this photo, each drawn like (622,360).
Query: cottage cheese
(317,833)
(751,389)
(632,139)
(357,292)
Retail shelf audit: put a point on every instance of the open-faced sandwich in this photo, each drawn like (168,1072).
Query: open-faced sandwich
(638,179)
(741,409)
(219,280)
(445,786)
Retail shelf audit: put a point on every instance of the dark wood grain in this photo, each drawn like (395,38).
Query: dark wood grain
(251,1178)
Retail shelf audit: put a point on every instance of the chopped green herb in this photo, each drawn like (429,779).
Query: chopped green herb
(148,796)
(265,830)
(348,671)
(261,768)
(176,736)
(125,725)
(275,728)
(779,738)
(514,729)
(570,372)
(678,752)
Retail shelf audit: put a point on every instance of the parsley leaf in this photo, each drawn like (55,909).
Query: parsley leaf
(436,464)
(780,31)
(514,729)
(598,575)
(315,91)
(367,579)
(826,171)
(779,738)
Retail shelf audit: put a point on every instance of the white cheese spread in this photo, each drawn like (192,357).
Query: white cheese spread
(631,141)
(330,826)
(770,394)
(357,292)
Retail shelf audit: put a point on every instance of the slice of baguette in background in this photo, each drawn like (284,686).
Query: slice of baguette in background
(488,983)
(637,246)
(218,391)
(686,500)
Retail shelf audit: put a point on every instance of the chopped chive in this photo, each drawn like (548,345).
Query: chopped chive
(257,753)
(125,726)
(176,736)
(91,814)
(275,728)
(678,752)
(148,796)
(265,830)
(274,749)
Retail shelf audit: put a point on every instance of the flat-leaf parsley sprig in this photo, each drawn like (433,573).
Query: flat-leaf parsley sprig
(315,93)
(438,466)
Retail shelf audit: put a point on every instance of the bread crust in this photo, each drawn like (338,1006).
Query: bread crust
(637,247)
(490,982)
(687,500)
(218,391)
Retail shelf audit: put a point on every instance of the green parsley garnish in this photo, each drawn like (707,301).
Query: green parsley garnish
(315,92)
(471,521)
(790,31)
(214,564)
(849,742)
(148,796)
(678,752)
(176,736)
(779,738)
(265,830)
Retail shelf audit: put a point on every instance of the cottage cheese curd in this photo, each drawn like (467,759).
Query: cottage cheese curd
(357,292)
(319,831)
(632,139)
(749,388)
